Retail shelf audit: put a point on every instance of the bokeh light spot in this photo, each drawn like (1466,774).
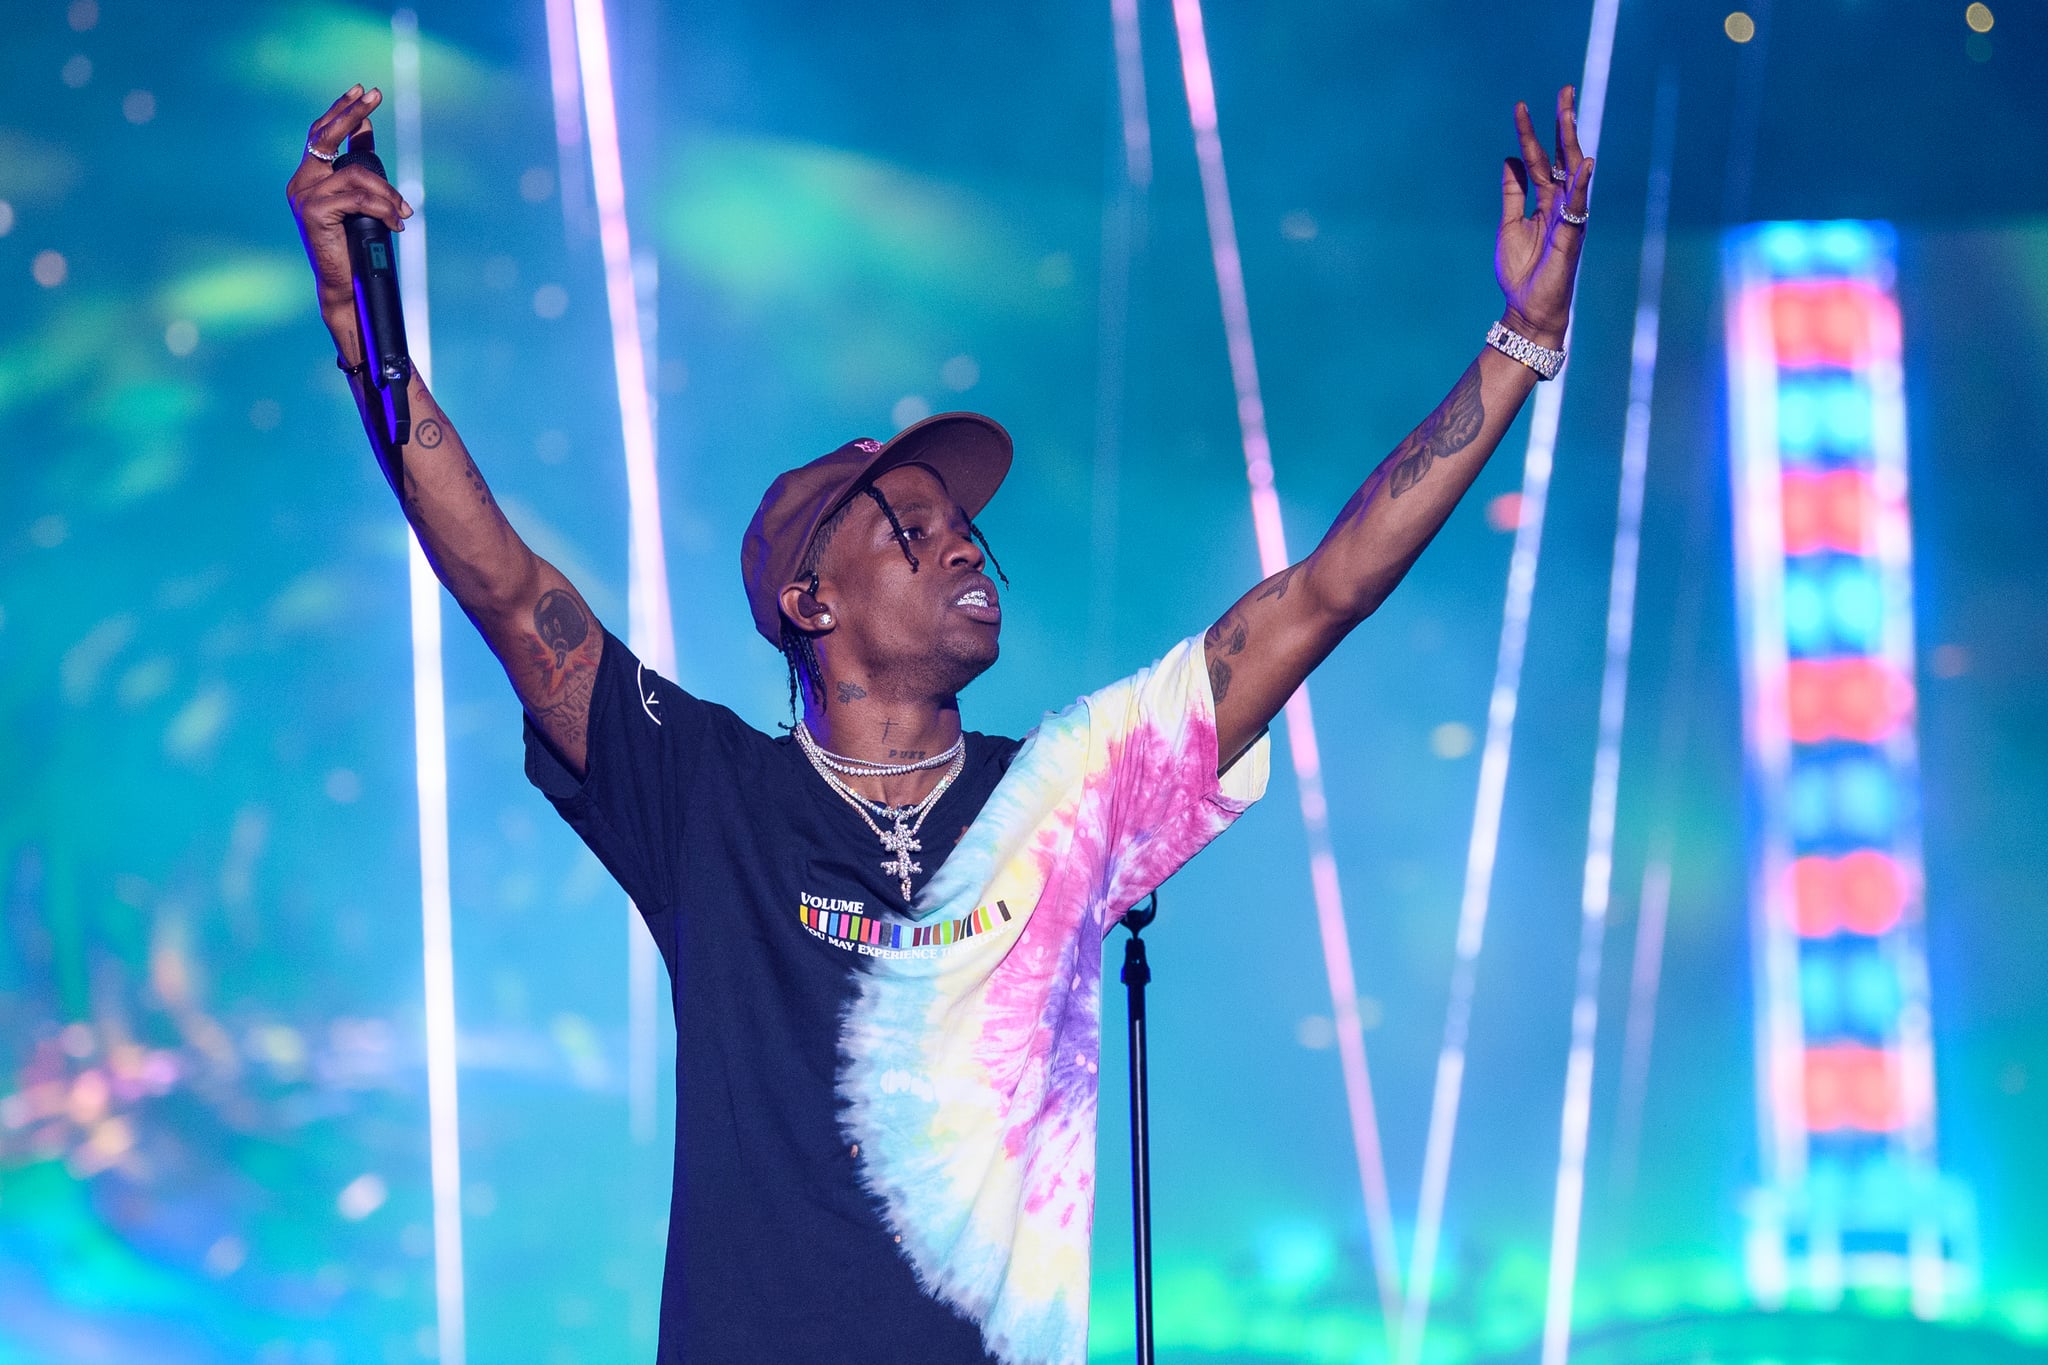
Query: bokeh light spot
(536,183)
(48,532)
(1316,1032)
(181,338)
(551,446)
(550,301)
(1978,17)
(1948,661)
(1451,740)
(362,1197)
(50,269)
(6,217)
(226,1256)
(1504,513)
(911,407)
(138,106)
(82,15)
(961,373)
(343,787)
(77,71)
(265,414)
(1739,27)
(1299,226)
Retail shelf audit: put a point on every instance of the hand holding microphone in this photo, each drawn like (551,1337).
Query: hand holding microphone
(347,212)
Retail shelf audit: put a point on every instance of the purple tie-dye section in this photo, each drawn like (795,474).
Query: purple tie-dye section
(1129,806)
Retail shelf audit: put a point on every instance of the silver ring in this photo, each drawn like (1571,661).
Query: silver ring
(1559,174)
(319,155)
(1575,219)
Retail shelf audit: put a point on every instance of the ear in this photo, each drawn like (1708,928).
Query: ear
(805,611)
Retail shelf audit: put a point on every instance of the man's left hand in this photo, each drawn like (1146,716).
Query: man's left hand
(1536,258)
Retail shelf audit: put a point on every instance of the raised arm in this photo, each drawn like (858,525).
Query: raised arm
(534,620)
(1273,637)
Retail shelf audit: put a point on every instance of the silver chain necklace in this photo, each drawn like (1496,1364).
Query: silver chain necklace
(861,767)
(900,841)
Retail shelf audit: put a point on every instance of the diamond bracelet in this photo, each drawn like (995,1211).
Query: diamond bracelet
(1514,345)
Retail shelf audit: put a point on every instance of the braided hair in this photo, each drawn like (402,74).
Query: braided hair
(799,649)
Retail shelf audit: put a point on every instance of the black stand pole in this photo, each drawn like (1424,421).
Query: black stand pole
(1136,974)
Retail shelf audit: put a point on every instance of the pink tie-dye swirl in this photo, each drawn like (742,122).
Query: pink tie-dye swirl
(969,1079)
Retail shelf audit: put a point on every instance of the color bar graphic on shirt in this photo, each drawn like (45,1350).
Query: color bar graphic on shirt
(851,928)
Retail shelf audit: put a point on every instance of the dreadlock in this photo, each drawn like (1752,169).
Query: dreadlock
(799,650)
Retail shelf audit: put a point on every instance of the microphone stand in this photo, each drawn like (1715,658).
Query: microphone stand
(1137,974)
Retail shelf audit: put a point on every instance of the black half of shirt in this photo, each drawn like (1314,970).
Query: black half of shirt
(720,833)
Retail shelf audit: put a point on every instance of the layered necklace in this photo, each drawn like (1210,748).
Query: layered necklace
(900,840)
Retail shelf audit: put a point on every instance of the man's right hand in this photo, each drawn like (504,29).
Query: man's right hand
(321,197)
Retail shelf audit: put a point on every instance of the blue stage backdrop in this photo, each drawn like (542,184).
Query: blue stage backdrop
(213,1057)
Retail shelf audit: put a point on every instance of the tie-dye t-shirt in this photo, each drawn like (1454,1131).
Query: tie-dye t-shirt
(885,1133)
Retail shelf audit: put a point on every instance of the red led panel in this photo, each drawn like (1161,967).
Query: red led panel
(1871,892)
(1831,322)
(1860,893)
(1851,1087)
(1836,510)
(1859,699)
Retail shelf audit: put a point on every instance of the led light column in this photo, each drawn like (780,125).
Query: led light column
(1852,1198)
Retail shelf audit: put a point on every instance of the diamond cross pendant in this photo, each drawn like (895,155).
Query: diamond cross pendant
(902,843)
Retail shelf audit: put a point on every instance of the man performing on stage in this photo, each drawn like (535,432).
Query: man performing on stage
(884,932)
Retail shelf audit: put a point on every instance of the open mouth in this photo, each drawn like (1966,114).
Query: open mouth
(980,603)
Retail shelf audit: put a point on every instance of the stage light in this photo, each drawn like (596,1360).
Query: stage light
(1855,606)
(1785,246)
(1870,891)
(50,269)
(1806,613)
(1820,997)
(1847,511)
(1846,405)
(1799,501)
(1870,992)
(1846,247)
(1815,896)
(1855,699)
(1739,27)
(1852,1087)
(1799,419)
(1810,803)
(1866,800)
(1978,17)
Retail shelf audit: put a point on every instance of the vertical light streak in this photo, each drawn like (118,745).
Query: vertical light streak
(1301,731)
(1124,230)
(1493,764)
(1653,903)
(567,96)
(652,632)
(1597,886)
(430,743)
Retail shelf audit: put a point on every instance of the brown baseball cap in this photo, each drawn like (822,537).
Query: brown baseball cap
(970,454)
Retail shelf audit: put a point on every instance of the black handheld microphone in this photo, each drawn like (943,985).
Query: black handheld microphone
(380,316)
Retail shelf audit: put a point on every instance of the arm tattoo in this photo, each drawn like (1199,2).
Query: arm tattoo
(850,692)
(476,482)
(428,434)
(1219,680)
(559,620)
(1276,586)
(1227,637)
(1454,425)
(566,719)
